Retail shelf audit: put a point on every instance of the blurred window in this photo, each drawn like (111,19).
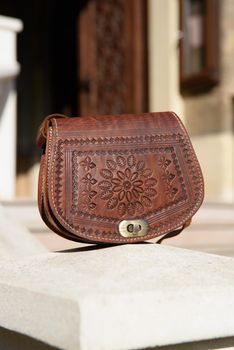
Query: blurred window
(199,44)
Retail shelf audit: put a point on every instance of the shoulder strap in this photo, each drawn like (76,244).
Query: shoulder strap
(42,132)
(175,232)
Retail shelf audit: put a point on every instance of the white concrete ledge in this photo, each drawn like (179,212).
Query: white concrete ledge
(9,68)
(12,24)
(123,297)
(15,239)
(10,72)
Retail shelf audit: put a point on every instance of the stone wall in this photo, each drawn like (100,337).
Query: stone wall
(209,117)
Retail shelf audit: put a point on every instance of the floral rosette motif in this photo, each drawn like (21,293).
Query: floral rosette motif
(128,185)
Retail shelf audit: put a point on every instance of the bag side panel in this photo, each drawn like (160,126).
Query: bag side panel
(43,203)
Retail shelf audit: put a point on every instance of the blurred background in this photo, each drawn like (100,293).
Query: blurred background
(119,56)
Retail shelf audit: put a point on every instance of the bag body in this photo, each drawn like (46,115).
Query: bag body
(117,179)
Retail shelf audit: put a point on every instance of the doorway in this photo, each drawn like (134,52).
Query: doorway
(79,58)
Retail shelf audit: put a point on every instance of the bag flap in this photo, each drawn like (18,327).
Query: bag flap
(103,171)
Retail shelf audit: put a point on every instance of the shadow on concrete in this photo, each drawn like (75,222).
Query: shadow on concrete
(221,343)
(95,247)
(10,340)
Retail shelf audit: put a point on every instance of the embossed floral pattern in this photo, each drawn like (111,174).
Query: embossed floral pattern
(128,185)
(168,177)
(88,194)
(87,164)
(88,180)
(164,162)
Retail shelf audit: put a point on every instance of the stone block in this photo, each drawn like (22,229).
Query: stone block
(119,297)
(15,239)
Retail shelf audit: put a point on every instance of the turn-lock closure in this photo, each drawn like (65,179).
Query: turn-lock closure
(133,228)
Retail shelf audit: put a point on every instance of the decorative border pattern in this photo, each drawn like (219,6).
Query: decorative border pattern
(191,164)
(122,140)
(76,154)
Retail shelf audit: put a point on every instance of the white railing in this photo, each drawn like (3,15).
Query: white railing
(9,69)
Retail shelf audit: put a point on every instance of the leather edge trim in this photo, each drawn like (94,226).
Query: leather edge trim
(43,128)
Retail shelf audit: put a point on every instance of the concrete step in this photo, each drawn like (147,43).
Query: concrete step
(26,212)
(15,238)
(212,228)
(143,296)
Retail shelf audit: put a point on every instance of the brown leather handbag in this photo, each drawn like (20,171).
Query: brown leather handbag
(117,179)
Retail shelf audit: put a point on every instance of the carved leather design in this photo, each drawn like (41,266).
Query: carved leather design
(97,175)
(126,185)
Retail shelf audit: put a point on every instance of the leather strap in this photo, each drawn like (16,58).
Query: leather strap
(175,232)
(42,133)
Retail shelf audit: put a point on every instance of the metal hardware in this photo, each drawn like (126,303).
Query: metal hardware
(133,228)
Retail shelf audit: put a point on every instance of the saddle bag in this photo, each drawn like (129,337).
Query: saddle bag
(117,179)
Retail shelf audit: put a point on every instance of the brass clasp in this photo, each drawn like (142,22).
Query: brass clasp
(133,228)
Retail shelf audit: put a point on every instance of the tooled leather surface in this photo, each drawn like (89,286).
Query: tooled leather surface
(103,170)
(43,202)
